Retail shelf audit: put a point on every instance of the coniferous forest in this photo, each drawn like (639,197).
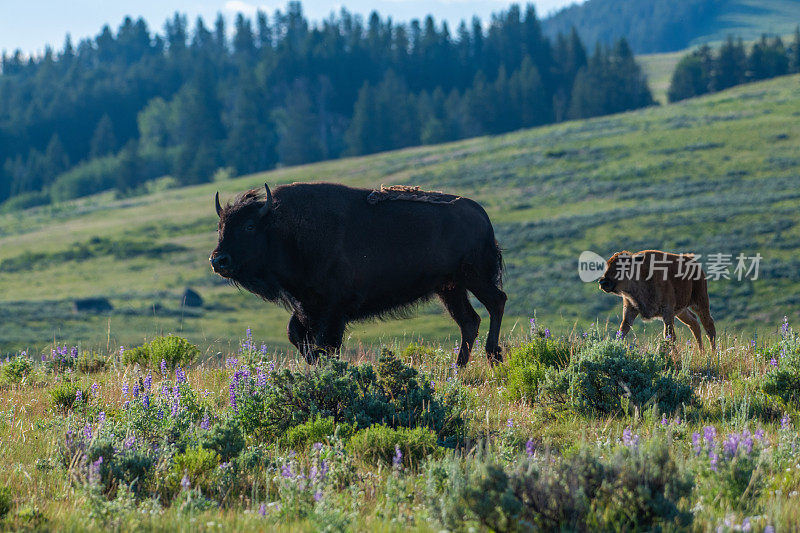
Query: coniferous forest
(198,100)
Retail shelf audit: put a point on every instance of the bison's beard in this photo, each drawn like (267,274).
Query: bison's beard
(265,288)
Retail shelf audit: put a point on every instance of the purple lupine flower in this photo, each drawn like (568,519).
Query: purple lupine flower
(185,483)
(759,434)
(546,333)
(785,327)
(231,362)
(129,442)
(629,439)
(180,375)
(713,459)
(433,384)
(232,389)
(769,529)
(286,471)
(146,401)
(773,362)
(731,444)
(160,414)
(709,433)
(696,442)
(87,432)
(175,408)
(317,496)
(78,396)
(94,470)
(94,388)
(264,349)
(121,350)
(510,423)
(664,420)
(262,510)
(324,467)
(148,381)
(317,446)
(785,422)
(101,418)
(163,368)
(248,333)
(529,448)
(206,422)
(74,352)
(125,389)
(619,334)
(262,379)
(135,390)
(397,460)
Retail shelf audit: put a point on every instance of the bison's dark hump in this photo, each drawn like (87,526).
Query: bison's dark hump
(409,193)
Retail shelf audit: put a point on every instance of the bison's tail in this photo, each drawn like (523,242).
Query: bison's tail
(496,266)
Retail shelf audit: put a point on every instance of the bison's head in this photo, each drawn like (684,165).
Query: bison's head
(243,236)
(616,277)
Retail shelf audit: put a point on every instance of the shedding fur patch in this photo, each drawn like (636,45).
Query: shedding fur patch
(411,194)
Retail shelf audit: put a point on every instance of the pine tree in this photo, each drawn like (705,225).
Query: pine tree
(103,141)
(298,129)
(731,65)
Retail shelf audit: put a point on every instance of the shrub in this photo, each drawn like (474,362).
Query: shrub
(225,438)
(380,443)
(783,378)
(128,466)
(198,465)
(91,363)
(528,362)
(16,369)
(315,430)
(600,375)
(6,501)
(360,395)
(174,350)
(64,395)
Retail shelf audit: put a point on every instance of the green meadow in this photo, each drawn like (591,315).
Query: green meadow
(713,175)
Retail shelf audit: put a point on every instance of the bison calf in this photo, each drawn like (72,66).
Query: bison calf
(662,285)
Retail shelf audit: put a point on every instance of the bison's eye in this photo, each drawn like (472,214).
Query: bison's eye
(250,227)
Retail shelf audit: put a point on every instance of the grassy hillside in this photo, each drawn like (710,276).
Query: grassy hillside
(749,19)
(718,174)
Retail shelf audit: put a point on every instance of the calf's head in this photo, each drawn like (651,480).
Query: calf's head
(243,235)
(617,276)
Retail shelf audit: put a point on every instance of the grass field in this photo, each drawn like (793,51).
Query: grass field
(716,174)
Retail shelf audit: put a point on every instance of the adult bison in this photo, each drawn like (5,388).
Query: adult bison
(658,284)
(334,254)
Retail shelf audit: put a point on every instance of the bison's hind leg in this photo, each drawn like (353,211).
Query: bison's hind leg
(704,312)
(495,302)
(689,318)
(454,298)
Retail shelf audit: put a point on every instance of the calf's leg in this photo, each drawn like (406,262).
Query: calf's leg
(495,302)
(629,314)
(689,318)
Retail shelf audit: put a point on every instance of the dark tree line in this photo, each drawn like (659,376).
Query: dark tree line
(648,25)
(706,71)
(129,106)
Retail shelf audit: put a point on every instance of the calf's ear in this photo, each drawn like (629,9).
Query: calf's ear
(219,207)
(267,202)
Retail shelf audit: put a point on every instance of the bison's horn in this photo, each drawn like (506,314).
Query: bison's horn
(267,202)
(219,207)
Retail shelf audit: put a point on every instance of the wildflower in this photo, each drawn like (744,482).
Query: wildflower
(74,352)
(713,459)
(397,460)
(78,396)
(94,388)
(664,421)
(175,408)
(709,433)
(286,471)
(94,470)
(248,333)
(232,389)
(160,414)
(125,389)
(619,334)
(148,381)
(261,379)
(547,333)
(146,401)
(510,423)
(529,448)
(135,390)
(433,384)
(101,418)
(205,423)
(317,496)
(121,350)
(180,375)
(264,349)
(785,422)
(163,368)
(262,510)
(317,446)
(185,483)
(696,442)
(785,327)
(87,432)
(773,362)
(629,439)
(769,529)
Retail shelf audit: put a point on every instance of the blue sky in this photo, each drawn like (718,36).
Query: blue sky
(31,24)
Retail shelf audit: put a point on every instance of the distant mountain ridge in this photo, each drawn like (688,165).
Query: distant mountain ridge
(654,26)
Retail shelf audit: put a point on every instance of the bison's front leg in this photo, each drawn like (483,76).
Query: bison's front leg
(328,334)
(299,335)
(669,326)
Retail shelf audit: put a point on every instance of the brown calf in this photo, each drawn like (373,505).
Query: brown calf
(658,284)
